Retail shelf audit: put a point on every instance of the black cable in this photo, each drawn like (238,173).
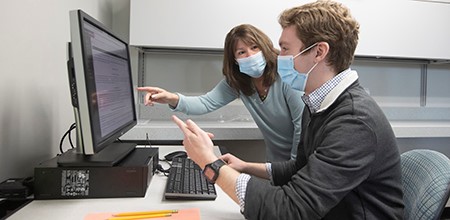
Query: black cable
(160,168)
(72,126)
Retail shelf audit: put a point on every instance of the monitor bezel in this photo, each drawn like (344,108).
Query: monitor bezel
(85,109)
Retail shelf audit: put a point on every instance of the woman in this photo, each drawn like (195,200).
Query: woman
(250,70)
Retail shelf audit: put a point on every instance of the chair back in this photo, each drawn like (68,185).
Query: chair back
(426,181)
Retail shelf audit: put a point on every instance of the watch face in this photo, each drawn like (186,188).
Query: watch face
(211,170)
(209,173)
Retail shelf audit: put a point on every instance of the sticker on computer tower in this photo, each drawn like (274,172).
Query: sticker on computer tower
(75,183)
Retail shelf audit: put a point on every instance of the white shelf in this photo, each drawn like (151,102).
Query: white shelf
(411,129)
(168,130)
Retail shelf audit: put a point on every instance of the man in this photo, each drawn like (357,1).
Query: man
(348,164)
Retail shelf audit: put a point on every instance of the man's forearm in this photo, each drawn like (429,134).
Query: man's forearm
(227,181)
(256,169)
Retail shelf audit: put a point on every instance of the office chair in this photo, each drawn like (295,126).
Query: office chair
(425,181)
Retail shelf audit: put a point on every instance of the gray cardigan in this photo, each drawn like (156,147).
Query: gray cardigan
(347,167)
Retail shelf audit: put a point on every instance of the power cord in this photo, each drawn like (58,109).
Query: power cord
(160,168)
(68,133)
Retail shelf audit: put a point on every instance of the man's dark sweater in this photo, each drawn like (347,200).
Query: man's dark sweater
(347,167)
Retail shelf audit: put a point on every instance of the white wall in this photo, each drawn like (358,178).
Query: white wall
(35,108)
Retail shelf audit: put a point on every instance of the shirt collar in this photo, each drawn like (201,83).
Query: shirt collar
(321,98)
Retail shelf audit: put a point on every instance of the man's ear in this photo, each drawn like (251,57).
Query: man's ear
(322,50)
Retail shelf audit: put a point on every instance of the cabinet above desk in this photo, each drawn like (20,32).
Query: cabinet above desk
(415,101)
(396,29)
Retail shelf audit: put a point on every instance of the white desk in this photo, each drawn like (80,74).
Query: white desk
(222,208)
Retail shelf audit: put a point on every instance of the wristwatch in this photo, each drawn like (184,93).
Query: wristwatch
(211,170)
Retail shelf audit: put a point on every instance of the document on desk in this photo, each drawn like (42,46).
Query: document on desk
(182,214)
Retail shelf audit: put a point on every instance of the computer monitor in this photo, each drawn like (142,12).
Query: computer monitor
(101,88)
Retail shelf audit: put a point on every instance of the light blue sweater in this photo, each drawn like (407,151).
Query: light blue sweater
(278,116)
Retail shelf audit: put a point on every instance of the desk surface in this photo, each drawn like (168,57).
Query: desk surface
(221,208)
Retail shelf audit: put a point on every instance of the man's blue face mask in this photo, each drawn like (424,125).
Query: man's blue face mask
(288,73)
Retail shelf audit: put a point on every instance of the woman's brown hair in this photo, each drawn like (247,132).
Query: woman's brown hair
(250,35)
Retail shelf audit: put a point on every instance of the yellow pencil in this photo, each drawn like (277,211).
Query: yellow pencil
(132,217)
(169,211)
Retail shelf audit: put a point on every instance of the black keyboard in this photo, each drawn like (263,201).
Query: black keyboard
(187,182)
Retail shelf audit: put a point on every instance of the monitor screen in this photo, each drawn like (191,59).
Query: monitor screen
(101,87)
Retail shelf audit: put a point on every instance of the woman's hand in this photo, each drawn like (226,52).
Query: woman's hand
(158,95)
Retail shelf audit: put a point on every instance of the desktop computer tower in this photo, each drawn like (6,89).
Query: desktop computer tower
(129,178)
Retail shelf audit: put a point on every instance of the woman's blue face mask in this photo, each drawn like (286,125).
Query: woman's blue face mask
(253,65)
(288,73)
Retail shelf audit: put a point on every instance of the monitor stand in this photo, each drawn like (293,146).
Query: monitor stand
(107,157)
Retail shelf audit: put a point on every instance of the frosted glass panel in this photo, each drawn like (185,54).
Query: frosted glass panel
(184,73)
(438,87)
(188,74)
(391,84)
(396,86)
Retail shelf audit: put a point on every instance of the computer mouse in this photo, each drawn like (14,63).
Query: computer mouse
(174,154)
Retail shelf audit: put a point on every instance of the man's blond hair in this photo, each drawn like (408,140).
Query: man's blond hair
(325,21)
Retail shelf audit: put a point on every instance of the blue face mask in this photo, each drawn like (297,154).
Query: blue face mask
(252,66)
(288,73)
